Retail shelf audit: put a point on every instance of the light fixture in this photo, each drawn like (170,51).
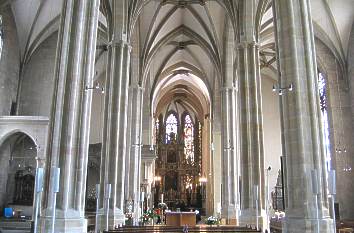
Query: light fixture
(229,146)
(282,90)
(95,87)
(157,178)
(347,168)
(212,146)
(151,147)
(138,143)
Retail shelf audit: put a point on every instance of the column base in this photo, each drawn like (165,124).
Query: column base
(116,218)
(248,217)
(229,215)
(295,225)
(69,221)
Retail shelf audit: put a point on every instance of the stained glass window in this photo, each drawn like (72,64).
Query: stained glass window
(188,138)
(325,125)
(1,36)
(157,122)
(171,128)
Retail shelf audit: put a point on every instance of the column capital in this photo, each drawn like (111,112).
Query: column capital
(137,87)
(227,89)
(120,43)
(247,44)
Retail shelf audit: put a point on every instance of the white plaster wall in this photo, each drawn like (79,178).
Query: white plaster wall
(97,111)
(271,129)
(37,84)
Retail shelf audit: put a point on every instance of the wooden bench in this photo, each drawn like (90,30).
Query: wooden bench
(199,229)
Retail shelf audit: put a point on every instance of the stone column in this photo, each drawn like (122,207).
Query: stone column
(115,129)
(251,134)
(135,149)
(307,209)
(207,165)
(230,195)
(70,118)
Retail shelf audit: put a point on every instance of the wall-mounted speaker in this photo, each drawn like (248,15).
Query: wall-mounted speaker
(39,179)
(98,187)
(314,179)
(56,179)
(332,182)
(107,193)
(255,192)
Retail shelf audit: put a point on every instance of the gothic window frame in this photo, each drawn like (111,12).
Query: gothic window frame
(1,35)
(167,132)
(322,82)
(189,148)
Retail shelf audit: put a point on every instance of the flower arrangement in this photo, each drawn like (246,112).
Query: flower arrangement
(212,220)
(149,214)
(145,218)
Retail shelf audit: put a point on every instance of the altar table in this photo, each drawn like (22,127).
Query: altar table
(180,218)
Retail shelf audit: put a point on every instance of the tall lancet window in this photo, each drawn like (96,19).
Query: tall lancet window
(1,36)
(157,130)
(325,125)
(188,138)
(171,128)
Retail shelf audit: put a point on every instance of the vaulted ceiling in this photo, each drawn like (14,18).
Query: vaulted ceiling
(37,19)
(193,36)
(181,50)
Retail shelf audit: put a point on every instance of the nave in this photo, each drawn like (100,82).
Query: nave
(136,112)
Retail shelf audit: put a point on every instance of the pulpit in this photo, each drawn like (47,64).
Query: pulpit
(180,218)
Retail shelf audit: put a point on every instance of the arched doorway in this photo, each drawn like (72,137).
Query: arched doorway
(18,165)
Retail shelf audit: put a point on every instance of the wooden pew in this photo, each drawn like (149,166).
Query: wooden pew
(171,229)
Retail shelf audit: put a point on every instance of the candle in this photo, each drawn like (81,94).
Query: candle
(142,196)
(162,198)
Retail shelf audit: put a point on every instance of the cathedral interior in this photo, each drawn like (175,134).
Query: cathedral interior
(118,113)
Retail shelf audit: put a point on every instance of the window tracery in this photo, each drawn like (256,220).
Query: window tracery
(323,105)
(171,128)
(188,138)
(157,131)
(1,36)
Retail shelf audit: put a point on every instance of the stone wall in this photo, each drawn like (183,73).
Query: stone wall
(9,62)
(340,127)
(4,171)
